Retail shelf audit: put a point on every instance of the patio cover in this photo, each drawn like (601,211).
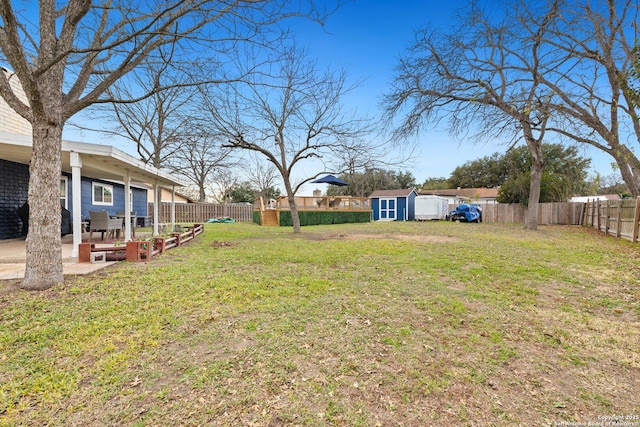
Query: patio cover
(93,161)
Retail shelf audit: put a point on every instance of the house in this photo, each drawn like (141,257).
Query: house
(166,196)
(601,197)
(465,195)
(393,205)
(93,177)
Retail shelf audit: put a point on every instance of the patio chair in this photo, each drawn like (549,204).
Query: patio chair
(100,221)
(134,220)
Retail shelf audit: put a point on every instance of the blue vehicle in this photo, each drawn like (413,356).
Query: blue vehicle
(466,213)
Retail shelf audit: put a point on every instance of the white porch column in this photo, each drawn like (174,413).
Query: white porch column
(76,215)
(156,202)
(127,207)
(173,207)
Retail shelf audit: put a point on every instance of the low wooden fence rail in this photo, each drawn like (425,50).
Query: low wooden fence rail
(202,212)
(138,250)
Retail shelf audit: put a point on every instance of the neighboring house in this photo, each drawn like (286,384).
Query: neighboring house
(602,197)
(393,205)
(165,196)
(465,195)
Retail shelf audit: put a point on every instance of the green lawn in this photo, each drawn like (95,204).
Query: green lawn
(354,325)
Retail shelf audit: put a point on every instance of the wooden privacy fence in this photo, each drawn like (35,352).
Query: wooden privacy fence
(202,212)
(561,213)
(618,218)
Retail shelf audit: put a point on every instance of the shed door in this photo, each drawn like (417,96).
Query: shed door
(387,208)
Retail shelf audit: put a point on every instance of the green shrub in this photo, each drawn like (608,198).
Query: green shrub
(256,217)
(324,217)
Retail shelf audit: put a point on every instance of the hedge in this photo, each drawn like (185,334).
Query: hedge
(256,217)
(325,217)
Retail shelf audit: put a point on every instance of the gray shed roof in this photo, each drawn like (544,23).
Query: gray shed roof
(392,193)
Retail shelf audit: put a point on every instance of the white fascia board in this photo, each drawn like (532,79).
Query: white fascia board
(121,156)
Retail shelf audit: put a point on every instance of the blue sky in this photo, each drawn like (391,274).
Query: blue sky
(366,37)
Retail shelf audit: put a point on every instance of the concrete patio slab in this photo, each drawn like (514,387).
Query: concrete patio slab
(13,258)
(10,271)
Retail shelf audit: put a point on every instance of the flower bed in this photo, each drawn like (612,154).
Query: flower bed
(138,250)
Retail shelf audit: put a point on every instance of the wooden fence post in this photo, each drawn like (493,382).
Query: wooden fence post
(619,219)
(636,219)
(605,215)
(586,213)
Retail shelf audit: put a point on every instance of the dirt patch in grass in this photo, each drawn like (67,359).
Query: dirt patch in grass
(219,244)
(406,237)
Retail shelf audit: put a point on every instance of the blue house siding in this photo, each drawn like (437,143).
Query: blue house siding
(139,198)
(14,189)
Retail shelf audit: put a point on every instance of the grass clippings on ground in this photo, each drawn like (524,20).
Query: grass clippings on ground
(383,324)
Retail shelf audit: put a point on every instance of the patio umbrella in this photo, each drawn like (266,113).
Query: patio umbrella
(330,179)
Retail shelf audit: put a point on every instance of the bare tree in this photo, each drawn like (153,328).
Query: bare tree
(290,114)
(224,180)
(611,184)
(263,176)
(156,123)
(68,58)
(198,157)
(593,104)
(483,75)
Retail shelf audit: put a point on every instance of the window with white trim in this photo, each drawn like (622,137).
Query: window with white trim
(102,194)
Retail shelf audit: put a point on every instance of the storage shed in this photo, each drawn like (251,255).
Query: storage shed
(393,205)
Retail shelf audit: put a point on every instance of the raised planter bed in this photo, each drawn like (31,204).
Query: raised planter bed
(139,250)
(112,253)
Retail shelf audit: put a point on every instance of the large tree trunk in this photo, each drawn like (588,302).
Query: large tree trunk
(293,208)
(531,220)
(295,218)
(537,166)
(629,167)
(44,248)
